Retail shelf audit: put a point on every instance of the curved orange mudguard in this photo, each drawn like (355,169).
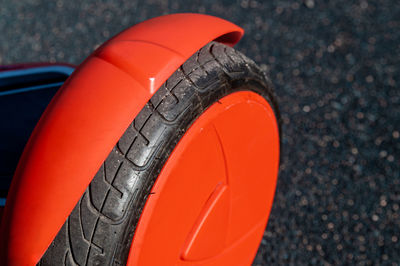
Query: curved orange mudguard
(87,117)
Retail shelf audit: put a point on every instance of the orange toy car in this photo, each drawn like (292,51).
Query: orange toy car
(161,148)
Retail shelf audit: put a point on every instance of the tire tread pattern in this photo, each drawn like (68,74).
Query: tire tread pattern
(100,228)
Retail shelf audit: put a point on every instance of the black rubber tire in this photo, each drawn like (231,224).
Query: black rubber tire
(100,229)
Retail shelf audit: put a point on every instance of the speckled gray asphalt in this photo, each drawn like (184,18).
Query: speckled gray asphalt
(335,66)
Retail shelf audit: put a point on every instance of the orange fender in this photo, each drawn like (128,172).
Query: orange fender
(86,118)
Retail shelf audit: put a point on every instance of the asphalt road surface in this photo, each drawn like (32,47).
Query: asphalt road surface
(335,66)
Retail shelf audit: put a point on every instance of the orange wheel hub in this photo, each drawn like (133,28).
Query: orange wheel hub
(211,201)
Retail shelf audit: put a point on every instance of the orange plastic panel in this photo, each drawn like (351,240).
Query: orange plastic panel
(211,201)
(87,117)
